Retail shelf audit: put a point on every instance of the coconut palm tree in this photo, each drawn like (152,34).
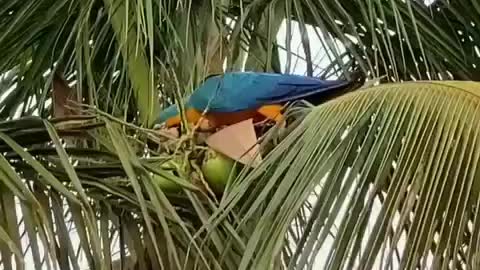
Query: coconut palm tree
(383,177)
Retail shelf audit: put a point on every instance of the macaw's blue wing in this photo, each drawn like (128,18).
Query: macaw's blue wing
(293,87)
(245,91)
(239,91)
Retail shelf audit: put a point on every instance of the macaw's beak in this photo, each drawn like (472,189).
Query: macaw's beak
(238,141)
(159,126)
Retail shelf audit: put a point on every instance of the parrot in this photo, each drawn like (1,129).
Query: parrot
(232,97)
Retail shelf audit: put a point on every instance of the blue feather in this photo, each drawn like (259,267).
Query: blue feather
(239,91)
(169,112)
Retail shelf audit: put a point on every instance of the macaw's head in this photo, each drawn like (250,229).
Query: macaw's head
(172,111)
(170,116)
(166,114)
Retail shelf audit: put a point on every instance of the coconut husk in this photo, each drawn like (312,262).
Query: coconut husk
(237,141)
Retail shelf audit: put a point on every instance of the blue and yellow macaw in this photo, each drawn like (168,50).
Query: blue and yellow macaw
(236,96)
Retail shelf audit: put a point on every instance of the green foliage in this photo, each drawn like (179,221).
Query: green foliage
(124,56)
(395,160)
(383,177)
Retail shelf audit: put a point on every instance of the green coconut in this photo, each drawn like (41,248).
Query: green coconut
(165,184)
(217,169)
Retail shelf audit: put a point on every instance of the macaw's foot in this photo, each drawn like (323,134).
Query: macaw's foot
(164,134)
(204,125)
(174,132)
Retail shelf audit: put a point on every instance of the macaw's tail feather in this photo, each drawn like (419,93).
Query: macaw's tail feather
(318,91)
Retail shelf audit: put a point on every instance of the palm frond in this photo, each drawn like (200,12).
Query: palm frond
(396,160)
(124,57)
(383,177)
(85,205)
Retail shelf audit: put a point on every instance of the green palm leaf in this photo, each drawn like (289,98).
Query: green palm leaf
(121,57)
(61,201)
(383,177)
